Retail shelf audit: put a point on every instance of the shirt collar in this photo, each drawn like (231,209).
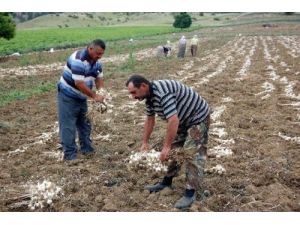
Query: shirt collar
(151,89)
(148,99)
(85,55)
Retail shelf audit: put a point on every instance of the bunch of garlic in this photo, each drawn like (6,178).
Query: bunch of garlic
(107,100)
(43,194)
(220,151)
(219,169)
(97,109)
(146,160)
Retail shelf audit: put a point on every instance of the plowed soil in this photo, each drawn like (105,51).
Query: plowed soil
(251,81)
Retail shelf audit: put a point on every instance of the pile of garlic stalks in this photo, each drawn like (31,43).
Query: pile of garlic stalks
(43,194)
(95,109)
(218,169)
(146,160)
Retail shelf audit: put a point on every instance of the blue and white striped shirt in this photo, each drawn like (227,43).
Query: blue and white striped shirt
(169,97)
(79,68)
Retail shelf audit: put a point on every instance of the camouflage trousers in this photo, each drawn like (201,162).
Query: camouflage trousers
(192,155)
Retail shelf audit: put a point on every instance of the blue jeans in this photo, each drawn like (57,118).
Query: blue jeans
(72,118)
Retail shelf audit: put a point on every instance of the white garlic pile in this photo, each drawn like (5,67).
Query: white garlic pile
(96,107)
(43,194)
(220,151)
(146,160)
(108,98)
(219,169)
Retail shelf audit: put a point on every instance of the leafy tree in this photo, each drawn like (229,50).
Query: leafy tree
(289,13)
(182,20)
(30,15)
(7,26)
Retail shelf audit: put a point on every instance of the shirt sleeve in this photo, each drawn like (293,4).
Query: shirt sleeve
(168,105)
(149,111)
(100,75)
(100,72)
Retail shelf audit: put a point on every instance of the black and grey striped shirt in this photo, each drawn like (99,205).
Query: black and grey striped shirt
(169,97)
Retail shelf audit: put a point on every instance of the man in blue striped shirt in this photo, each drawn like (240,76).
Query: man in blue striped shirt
(187,115)
(80,73)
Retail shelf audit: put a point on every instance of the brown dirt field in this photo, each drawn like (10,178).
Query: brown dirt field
(254,79)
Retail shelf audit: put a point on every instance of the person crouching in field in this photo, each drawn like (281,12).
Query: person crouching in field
(164,51)
(80,73)
(167,49)
(188,118)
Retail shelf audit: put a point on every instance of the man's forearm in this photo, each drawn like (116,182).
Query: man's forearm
(84,89)
(148,128)
(99,83)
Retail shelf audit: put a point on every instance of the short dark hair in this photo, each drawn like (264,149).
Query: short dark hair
(137,80)
(98,42)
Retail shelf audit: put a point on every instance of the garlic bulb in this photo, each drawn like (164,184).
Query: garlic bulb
(219,169)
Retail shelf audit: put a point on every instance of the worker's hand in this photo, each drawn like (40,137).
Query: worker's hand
(99,98)
(164,154)
(145,147)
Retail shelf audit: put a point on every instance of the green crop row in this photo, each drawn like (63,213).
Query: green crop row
(44,39)
(21,94)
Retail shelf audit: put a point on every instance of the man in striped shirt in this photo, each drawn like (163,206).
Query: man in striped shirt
(80,73)
(187,115)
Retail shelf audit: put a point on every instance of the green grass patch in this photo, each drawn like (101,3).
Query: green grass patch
(44,39)
(22,94)
(113,47)
(33,86)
